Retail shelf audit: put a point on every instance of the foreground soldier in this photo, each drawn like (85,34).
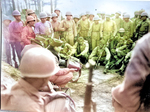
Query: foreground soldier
(118,20)
(25,95)
(133,94)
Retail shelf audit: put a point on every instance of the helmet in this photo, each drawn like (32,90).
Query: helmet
(136,13)
(76,16)
(57,9)
(6,18)
(126,16)
(83,14)
(30,18)
(87,12)
(107,15)
(68,14)
(29,11)
(43,15)
(118,12)
(121,30)
(141,11)
(16,13)
(38,63)
(54,15)
(49,15)
(96,17)
(144,14)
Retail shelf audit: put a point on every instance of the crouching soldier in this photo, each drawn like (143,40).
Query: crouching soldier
(101,53)
(82,50)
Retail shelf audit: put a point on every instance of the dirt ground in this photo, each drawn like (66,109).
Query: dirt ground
(101,91)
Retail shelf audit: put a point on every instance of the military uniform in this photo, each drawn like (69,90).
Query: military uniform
(118,22)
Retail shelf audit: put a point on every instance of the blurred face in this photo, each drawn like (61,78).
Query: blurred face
(96,21)
(126,19)
(69,17)
(121,34)
(43,20)
(48,18)
(31,23)
(33,15)
(91,17)
(18,18)
(143,18)
(107,18)
(83,17)
(7,22)
(54,19)
(76,20)
(117,15)
(57,12)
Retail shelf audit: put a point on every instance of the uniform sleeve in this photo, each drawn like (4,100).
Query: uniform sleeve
(86,48)
(37,30)
(126,96)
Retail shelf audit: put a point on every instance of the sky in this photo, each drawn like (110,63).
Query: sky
(108,6)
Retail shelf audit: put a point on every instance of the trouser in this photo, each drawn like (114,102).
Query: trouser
(6,52)
(95,43)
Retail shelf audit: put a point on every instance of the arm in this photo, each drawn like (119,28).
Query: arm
(93,52)
(60,27)
(126,96)
(86,48)
(108,55)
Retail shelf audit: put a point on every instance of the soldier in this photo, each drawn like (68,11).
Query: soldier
(95,32)
(57,11)
(49,17)
(108,29)
(82,50)
(87,14)
(100,53)
(118,20)
(32,13)
(76,19)
(55,24)
(91,16)
(127,24)
(136,15)
(143,27)
(70,27)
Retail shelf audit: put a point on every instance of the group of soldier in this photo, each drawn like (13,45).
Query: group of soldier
(106,39)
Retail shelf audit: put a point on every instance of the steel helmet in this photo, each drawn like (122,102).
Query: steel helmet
(38,63)
(16,13)
(30,18)
(141,11)
(144,14)
(68,14)
(29,11)
(57,9)
(4,17)
(43,15)
(76,16)
(121,30)
(49,15)
(126,16)
(96,17)
(54,15)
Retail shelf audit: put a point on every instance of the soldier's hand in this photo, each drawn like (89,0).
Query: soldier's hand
(72,70)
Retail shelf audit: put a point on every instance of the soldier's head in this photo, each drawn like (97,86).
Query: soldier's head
(126,17)
(121,31)
(83,16)
(57,11)
(76,18)
(118,14)
(107,17)
(96,19)
(140,12)
(37,65)
(68,15)
(87,14)
(54,17)
(80,40)
(43,17)
(136,14)
(16,14)
(6,20)
(91,16)
(144,16)
(49,16)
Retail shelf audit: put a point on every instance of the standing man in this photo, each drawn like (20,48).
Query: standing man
(143,27)
(43,28)
(108,29)
(57,11)
(15,29)
(28,32)
(70,27)
(127,24)
(6,51)
(118,20)
(49,17)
